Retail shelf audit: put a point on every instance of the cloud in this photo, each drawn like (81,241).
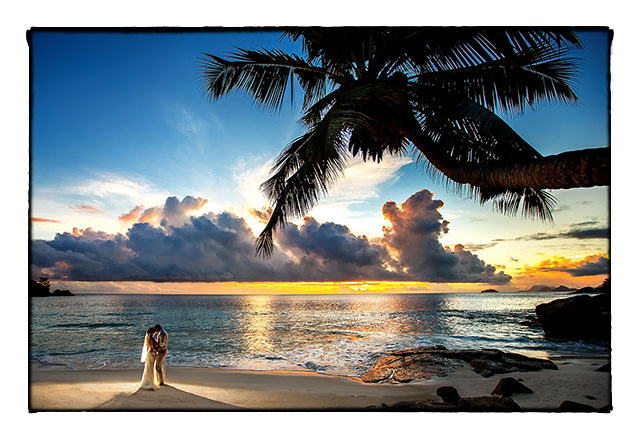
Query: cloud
(262,214)
(591,265)
(85,209)
(474,247)
(173,212)
(575,233)
(206,248)
(114,189)
(416,227)
(332,253)
(43,220)
(167,243)
(132,215)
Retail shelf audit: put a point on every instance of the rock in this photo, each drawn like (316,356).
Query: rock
(580,317)
(488,404)
(424,362)
(41,289)
(59,292)
(571,406)
(540,288)
(585,290)
(508,386)
(605,368)
(448,394)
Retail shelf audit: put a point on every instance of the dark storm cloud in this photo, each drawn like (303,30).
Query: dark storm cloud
(206,248)
(332,253)
(221,247)
(416,228)
(576,233)
(474,247)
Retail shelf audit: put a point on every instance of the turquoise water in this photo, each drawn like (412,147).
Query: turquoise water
(334,334)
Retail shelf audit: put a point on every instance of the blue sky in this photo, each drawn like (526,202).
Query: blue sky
(119,121)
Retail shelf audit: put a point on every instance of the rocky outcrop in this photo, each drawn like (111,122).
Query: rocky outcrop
(448,395)
(39,289)
(541,288)
(580,317)
(509,386)
(424,362)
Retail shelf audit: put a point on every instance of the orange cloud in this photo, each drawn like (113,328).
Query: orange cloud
(131,215)
(86,209)
(78,232)
(587,271)
(43,220)
(262,214)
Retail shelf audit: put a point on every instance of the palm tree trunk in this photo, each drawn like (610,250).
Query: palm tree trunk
(572,169)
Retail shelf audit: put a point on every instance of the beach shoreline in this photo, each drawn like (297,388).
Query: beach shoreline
(54,388)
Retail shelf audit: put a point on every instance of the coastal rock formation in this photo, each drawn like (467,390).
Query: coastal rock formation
(509,386)
(41,288)
(540,288)
(448,395)
(424,362)
(578,317)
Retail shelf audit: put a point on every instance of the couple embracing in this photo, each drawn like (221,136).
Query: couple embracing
(154,352)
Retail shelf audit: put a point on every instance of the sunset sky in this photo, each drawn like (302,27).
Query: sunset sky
(140,184)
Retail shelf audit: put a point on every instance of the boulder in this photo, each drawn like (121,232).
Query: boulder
(579,317)
(586,290)
(424,362)
(509,386)
(448,395)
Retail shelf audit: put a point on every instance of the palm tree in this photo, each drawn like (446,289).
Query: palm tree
(370,92)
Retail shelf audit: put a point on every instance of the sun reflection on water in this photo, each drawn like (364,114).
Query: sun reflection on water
(257,323)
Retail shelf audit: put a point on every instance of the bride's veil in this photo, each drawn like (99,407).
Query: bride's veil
(143,356)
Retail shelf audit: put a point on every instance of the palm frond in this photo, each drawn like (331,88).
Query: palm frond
(304,171)
(307,168)
(532,203)
(264,75)
(511,84)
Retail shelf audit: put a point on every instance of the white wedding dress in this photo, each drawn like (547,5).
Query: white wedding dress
(148,356)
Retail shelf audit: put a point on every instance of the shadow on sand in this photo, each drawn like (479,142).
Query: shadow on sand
(165,398)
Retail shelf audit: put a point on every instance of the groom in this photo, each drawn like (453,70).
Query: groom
(162,338)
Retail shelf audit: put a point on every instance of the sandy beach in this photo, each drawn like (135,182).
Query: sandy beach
(208,389)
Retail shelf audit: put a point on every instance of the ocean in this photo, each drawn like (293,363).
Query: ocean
(331,334)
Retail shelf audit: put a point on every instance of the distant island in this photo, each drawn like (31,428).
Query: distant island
(603,288)
(544,288)
(489,291)
(42,288)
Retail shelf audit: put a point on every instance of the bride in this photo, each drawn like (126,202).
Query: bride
(149,355)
